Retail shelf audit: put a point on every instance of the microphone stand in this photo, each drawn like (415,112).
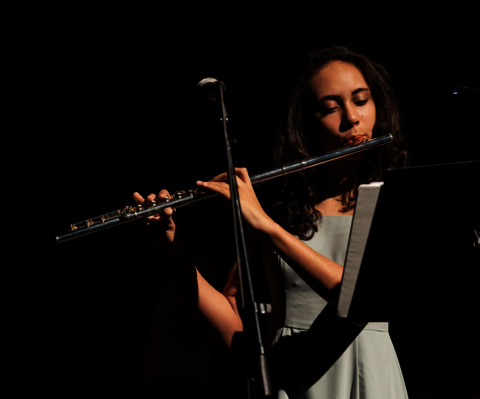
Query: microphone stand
(251,336)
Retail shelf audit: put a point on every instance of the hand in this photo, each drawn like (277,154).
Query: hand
(160,228)
(252,211)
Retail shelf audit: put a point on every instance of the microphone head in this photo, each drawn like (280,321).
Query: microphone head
(206,82)
(209,90)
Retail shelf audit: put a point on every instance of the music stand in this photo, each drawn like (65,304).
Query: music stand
(419,247)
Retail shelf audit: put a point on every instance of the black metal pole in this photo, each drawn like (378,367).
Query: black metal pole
(250,308)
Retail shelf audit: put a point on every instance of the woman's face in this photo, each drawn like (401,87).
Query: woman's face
(344,111)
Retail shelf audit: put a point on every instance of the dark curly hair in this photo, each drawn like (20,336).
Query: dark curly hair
(294,204)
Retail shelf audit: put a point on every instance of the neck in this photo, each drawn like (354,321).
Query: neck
(338,178)
(337,186)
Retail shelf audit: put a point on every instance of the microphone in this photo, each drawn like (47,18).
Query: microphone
(211,92)
(208,88)
(208,81)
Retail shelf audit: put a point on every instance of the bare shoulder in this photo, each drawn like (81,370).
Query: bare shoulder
(332,206)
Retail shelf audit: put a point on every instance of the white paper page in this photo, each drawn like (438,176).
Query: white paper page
(362,220)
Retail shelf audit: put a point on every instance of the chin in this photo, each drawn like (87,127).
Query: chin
(355,157)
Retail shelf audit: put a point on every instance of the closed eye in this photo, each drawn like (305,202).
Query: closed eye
(326,110)
(329,110)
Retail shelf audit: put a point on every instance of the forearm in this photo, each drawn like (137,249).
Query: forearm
(212,304)
(320,273)
(218,310)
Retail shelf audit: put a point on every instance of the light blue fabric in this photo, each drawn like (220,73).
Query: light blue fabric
(368,368)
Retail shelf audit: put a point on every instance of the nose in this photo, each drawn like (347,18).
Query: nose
(350,118)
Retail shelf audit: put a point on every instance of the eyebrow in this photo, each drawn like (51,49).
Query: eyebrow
(335,97)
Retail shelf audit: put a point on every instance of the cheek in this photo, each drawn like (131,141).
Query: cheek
(369,117)
(373,115)
(327,124)
(326,132)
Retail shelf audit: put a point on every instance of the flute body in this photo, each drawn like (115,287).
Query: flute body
(182,198)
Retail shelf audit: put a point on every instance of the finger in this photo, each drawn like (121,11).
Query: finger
(166,211)
(240,172)
(221,177)
(218,187)
(138,198)
(163,194)
(243,174)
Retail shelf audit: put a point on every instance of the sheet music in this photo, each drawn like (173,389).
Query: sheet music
(362,220)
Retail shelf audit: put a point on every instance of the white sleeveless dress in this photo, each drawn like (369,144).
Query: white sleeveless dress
(368,368)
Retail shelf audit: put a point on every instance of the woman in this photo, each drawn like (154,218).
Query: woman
(340,98)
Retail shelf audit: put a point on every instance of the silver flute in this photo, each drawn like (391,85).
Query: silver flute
(182,198)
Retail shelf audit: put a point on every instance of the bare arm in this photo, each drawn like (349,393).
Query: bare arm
(320,273)
(219,308)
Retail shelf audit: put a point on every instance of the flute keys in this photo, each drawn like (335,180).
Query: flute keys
(128,212)
(149,204)
(180,194)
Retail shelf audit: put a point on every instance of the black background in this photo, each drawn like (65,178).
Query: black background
(108,108)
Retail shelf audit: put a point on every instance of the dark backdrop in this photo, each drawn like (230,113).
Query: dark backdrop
(113,111)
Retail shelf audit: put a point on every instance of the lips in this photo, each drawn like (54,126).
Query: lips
(355,139)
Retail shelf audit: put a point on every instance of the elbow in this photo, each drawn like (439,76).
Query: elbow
(230,342)
(232,337)
(334,295)
(235,337)
(333,288)
(237,344)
